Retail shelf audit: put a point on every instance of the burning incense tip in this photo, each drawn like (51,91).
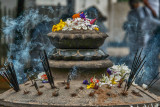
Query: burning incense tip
(81,88)
(55,94)
(67,86)
(26,92)
(136,93)
(73,95)
(91,94)
(124,93)
(40,93)
(41,86)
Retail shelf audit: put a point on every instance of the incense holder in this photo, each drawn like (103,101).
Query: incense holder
(102,96)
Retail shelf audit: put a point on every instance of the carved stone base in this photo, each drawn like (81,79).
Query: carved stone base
(86,69)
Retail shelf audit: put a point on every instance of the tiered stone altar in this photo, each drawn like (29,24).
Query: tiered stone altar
(72,49)
(78,48)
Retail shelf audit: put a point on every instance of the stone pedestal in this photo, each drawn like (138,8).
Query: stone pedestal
(86,69)
(80,49)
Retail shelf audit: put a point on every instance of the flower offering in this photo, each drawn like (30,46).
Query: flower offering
(78,21)
(42,76)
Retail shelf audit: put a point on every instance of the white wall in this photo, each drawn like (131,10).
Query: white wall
(51,2)
(9,3)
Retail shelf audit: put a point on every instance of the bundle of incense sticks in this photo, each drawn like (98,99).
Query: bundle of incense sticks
(10,76)
(46,67)
(137,67)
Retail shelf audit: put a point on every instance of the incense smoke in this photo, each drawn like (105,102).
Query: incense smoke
(73,73)
(147,30)
(27,37)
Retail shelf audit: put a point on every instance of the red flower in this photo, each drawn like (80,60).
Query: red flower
(92,21)
(94,80)
(97,81)
(44,77)
(91,79)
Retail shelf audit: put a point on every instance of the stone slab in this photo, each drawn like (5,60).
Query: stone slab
(19,99)
(97,64)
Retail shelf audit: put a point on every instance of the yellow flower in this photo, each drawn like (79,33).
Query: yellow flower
(96,28)
(91,85)
(113,81)
(58,26)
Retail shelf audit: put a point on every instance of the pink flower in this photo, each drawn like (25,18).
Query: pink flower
(92,21)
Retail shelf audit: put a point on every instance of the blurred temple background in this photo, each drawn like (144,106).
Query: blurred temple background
(111,15)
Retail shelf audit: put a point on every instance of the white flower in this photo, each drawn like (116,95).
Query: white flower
(116,68)
(78,23)
(77,19)
(117,78)
(87,23)
(70,29)
(94,26)
(105,80)
(120,69)
(84,27)
(40,74)
(144,86)
(90,28)
(77,27)
(65,28)
(134,84)
(101,83)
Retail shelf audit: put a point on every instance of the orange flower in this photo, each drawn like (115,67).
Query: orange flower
(76,16)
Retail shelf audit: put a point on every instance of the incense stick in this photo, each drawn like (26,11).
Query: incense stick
(10,76)
(153,81)
(46,68)
(137,66)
